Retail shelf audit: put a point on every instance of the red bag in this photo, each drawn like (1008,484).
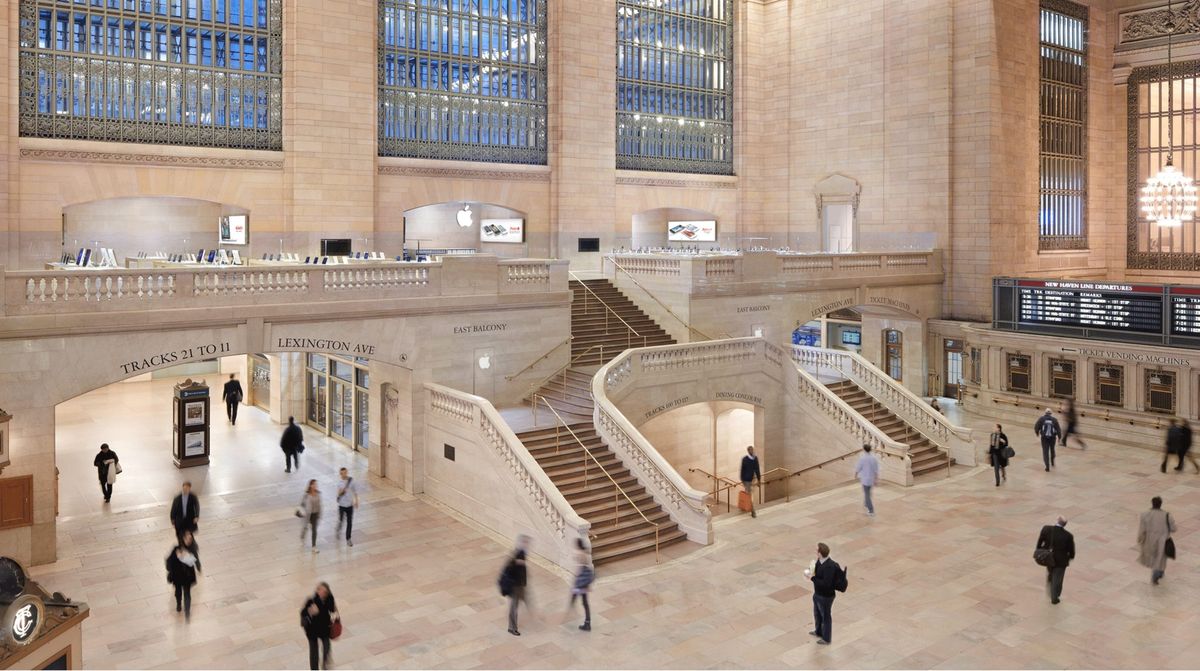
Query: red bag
(745,503)
(336,630)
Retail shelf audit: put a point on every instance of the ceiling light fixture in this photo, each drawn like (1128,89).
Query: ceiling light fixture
(1169,197)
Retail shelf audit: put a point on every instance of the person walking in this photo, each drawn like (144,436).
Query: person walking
(347,501)
(585,575)
(1176,440)
(233,397)
(317,618)
(1187,445)
(182,565)
(107,465)
(185,510)
(998,453)
(867,472)
(1061,544)
(1072,418)
(750,471)
(292,444)
(1048,430)
(513,582)
(1154,534)
(310,511)
(824,575)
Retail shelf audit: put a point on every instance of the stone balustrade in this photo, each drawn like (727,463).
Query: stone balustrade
(62,292)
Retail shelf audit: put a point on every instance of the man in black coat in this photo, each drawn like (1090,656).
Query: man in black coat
(232,397)
(1062,550)
(1048,430)
(824,576)
(1178,441)
(185,510)
(292,444)
(750,470)
(105,459)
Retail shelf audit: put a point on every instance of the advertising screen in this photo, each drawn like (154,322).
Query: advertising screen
(502,230)
(692,231)
(234,229)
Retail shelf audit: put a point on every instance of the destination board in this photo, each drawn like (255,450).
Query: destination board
(1091,305)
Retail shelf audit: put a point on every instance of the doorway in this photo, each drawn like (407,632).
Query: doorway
(954,367)
(837,226)
(893,354)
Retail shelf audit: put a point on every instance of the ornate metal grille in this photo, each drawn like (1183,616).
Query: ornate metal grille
(1149,246)
(675,85)
(1062,216)
(463,79)
(186,72)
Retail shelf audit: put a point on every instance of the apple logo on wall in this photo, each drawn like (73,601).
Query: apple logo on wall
(464,216)
(485,362)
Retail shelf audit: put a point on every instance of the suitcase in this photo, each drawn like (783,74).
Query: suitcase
(745,503)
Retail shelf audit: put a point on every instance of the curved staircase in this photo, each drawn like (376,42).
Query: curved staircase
(926,457)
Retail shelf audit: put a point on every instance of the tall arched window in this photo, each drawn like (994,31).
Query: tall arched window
(675,85)
(187,72)
(463,79)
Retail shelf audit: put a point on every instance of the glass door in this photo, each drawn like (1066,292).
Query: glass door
(954,368)
(342,415)
(893,354)
(317,398)
(362,435)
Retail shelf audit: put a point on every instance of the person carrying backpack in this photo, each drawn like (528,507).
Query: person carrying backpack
(828,579)
(1048,430)
(512,582)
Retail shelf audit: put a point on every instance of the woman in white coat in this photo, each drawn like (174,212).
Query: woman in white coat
(1154,531)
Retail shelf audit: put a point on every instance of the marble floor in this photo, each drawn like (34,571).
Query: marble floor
(942,577)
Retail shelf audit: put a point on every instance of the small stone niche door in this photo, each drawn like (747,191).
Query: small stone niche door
(837,207)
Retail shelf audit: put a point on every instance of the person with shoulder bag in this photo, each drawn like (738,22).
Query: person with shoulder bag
(1055,549)
(828,579)
(513,582)
(309,510)
(999,453)
(1155,545)
(347,501)
(321,622)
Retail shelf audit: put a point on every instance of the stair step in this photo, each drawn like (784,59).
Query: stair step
(550,432)
(631,548)
(607,493)
(599,509)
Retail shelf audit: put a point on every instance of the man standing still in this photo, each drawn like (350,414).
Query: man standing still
(1061,544)
(1048,430)
(347,501)
(232,396)
(185,510)
(750,470)
(823,574)
(867,472)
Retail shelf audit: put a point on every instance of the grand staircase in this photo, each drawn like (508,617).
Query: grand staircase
(926,457)
(604,323)
(619,531)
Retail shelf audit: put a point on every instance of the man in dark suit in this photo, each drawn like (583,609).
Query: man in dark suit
(232,396)
(824,575)
(1062,549)
(185,510)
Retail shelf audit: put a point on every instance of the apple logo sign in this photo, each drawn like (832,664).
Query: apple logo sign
(485,362)
(464,216)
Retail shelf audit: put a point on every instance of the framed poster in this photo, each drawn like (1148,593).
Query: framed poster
(235,229)
(193,413)
(193,444)
(692,231)
(502,230)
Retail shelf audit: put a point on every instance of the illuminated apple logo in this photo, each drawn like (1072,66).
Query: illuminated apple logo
(485,362)
(464,216)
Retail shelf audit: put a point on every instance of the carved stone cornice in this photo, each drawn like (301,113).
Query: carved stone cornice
(676,183)
(69,156)
(465,173)
(1158,22)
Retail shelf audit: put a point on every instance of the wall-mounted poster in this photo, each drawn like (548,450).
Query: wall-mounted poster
(193,444)
(194,413)
(235,229)
(692,231)
(502,230)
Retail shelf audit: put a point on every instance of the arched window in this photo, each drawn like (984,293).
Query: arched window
(675,85)
(463,79)
(186,72)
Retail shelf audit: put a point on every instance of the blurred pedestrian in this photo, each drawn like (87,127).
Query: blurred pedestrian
(1059,547)
(585,574)
(867,472)
(317,617)
(998,453)
(513,582)
(1048,430)
(1072,419)
(347,502)
(292,444)
(310,511)
(1177,440)
(185,510)
(182,565)
(1155,545)
(232,395)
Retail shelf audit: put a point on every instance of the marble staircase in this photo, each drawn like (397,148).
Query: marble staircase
(926,457)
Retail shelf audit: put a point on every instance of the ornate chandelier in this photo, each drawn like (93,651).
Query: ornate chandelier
(1169,197)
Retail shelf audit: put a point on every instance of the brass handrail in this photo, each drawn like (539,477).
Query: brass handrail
(765,480)
(606,307)
(716,493)
(690,328)
(564,369)
(543,357)
(619,488)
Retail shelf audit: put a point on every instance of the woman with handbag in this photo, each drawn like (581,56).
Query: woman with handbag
(310,511)
(321,622)
(1154,539)
(998,451)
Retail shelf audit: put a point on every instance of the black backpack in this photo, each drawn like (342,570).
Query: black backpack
(840,581)
(506,581)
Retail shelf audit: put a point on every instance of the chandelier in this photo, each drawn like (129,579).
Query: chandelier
(1169,197)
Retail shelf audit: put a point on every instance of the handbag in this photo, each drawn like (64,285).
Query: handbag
(1169,548)
(299,512)
(1009,453)
(335,630)
(1044,557)
(119,469)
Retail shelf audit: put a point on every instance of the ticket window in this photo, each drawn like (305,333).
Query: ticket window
(1019,373)
(893,353)
(1160,391)
(1062,378)
(1110,385)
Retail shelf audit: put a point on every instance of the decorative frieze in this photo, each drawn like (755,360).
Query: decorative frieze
(1147,24)
(466,173)
(68,156)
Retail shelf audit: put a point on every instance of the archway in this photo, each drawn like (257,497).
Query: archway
(466,226)
(676,226)
(150,224)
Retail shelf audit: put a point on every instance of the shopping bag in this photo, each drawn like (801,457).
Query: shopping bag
(745,503)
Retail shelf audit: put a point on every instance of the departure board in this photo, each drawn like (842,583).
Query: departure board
(1091,305)
(1185,311)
